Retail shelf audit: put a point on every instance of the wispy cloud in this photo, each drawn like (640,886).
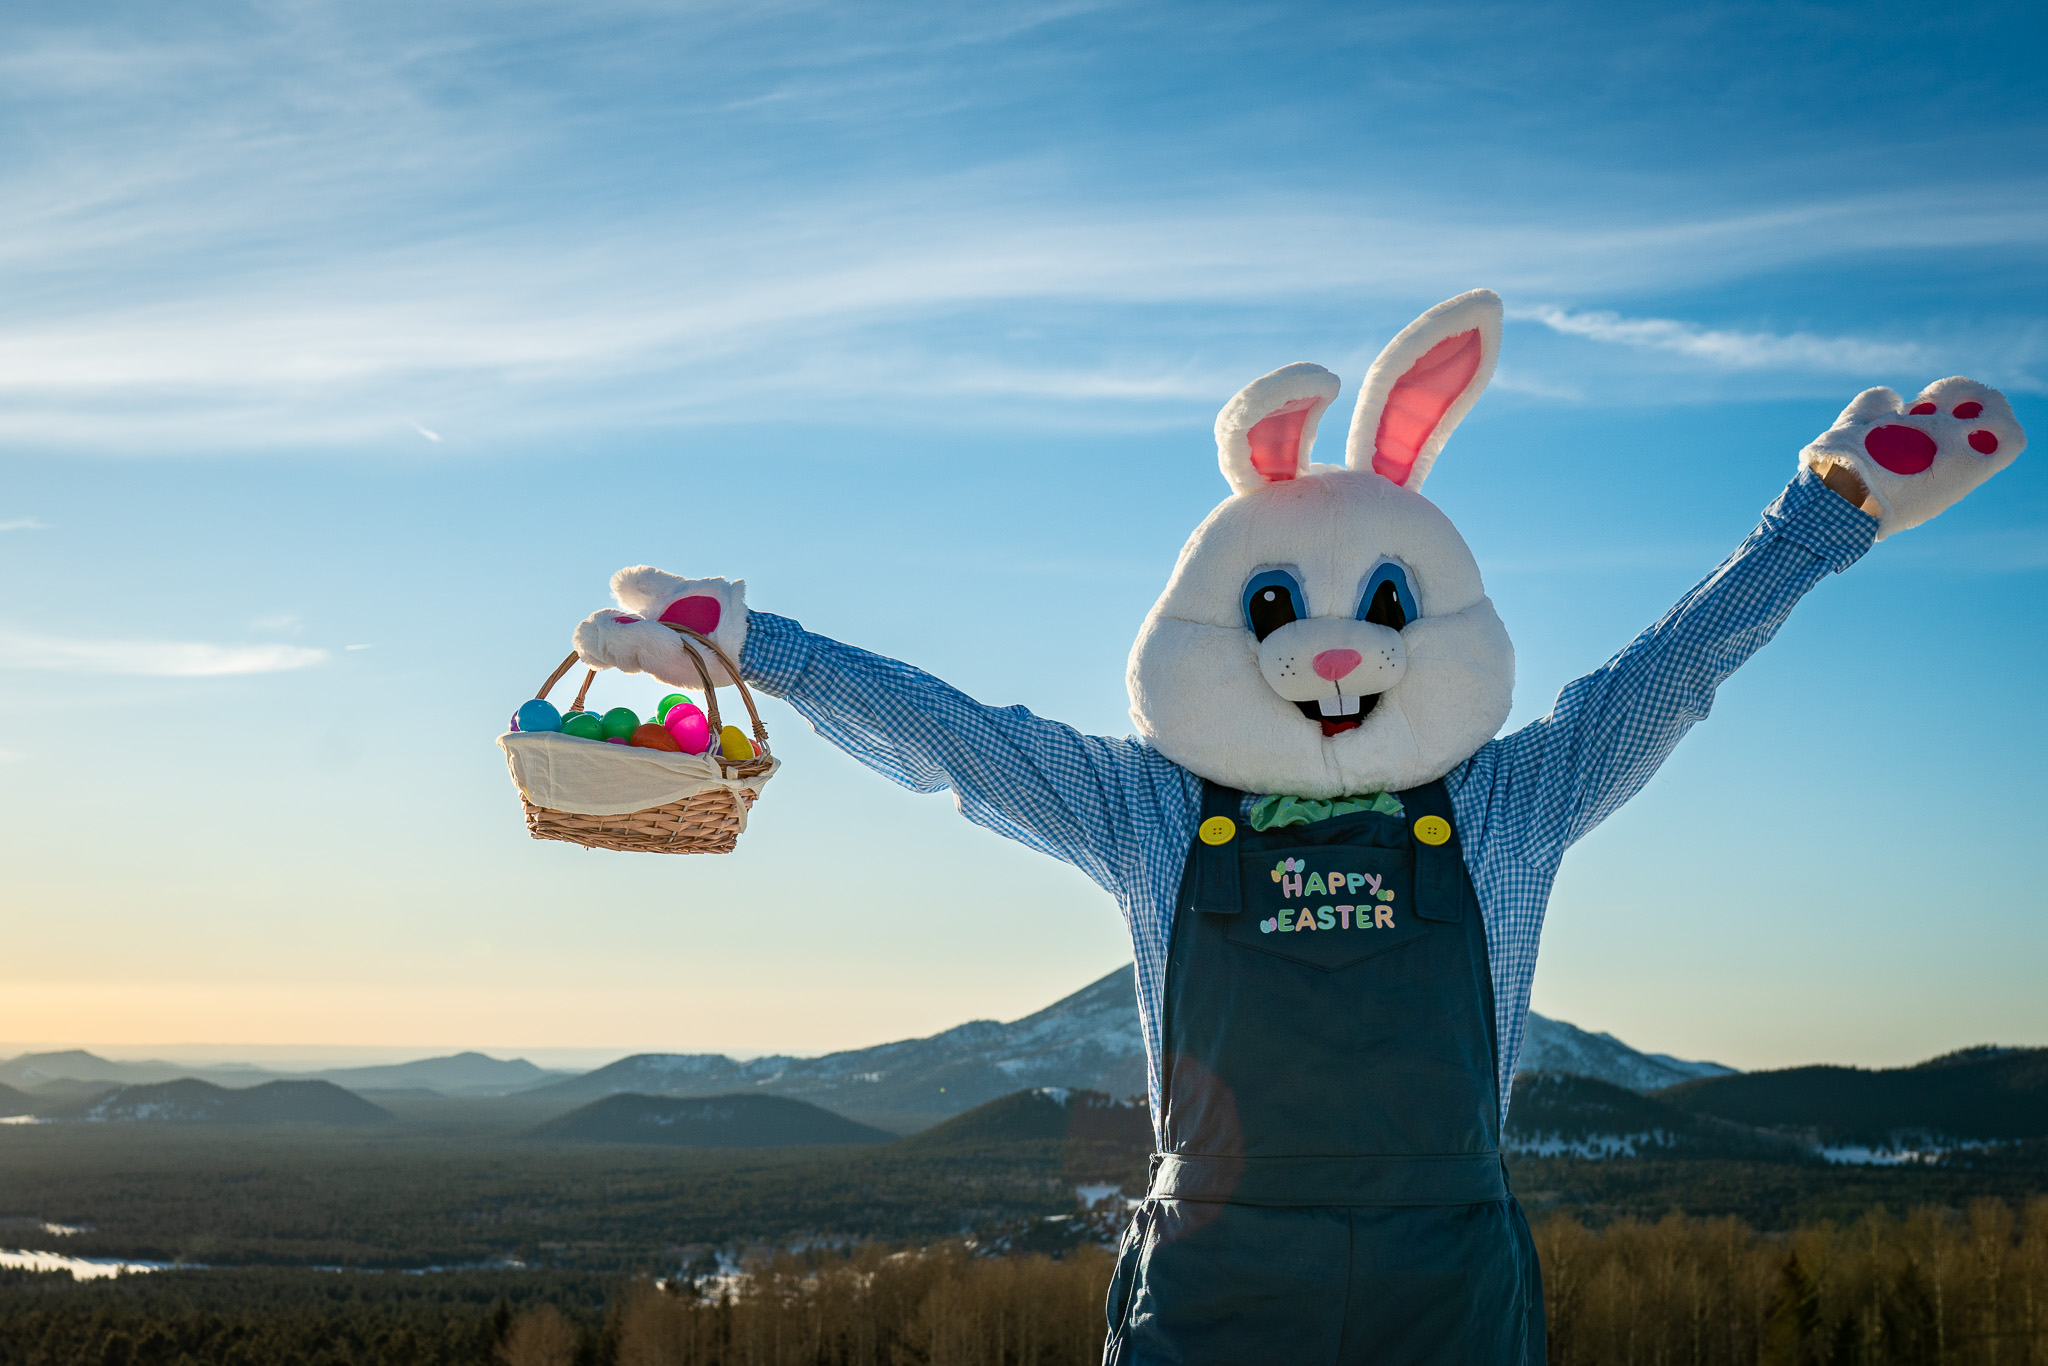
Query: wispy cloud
(24,524)
(333,239)
(1730,349)
(151,658)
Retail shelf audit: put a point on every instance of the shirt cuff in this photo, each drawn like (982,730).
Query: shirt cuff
(1810,514)
(777,653)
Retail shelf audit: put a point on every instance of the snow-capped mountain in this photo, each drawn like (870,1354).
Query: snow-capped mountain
(1554,1046)
(1088,1041)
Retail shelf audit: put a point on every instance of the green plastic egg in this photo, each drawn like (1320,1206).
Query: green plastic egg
(661,707)
(620,723)
(583,725)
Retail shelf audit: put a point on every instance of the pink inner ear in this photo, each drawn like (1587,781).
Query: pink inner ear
(1275,439)
(1419,400)
(699,614)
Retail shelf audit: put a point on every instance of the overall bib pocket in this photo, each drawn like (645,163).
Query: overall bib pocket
(1327,906)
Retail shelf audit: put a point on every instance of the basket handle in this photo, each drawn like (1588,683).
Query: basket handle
(710,692)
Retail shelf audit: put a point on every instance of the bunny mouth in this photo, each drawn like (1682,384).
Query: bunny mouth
(1339,714)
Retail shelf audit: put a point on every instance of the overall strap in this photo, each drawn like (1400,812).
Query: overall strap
(1440,866)
(1214,884)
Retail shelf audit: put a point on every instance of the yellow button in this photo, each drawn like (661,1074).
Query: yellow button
(1432,829)
(1222,830)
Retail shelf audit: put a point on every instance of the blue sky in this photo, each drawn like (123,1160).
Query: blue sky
(348,348)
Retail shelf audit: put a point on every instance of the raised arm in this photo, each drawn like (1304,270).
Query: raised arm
(1081,798)
(1552,781)
(1883,467)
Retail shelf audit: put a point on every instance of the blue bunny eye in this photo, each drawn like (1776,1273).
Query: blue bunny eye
(1386,599)
(1272,598)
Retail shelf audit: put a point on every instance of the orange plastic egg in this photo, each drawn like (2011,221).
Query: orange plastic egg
(651,736)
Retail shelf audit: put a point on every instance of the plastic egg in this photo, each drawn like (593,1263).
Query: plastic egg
(673,699)
(620,722)
(539,714)
(734,744)
(615,739)
(583,725)
(690,728)
(651,736)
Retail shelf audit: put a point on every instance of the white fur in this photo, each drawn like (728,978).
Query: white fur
(1907,500)
(646,591)
(1264,396)
(1287,658)
(1200,695)
(611,639)
(1477,309)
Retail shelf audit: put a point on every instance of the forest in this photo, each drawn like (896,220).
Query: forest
(1935,1285)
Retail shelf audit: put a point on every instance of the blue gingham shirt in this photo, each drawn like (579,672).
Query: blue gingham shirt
(1124,814)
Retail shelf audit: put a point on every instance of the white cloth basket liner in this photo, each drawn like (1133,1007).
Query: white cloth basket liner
(592,778)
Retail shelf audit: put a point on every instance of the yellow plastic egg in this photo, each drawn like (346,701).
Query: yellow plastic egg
(734,744)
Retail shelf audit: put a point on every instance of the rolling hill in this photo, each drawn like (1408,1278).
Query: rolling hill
(737,1121)
(1088,1041)
(1556,1114)
(1049,1112)
(476,1074)
(191,1101)
(1980,1095)
(75,1064)
(13,1102)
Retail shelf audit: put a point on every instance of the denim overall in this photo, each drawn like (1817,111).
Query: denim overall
(1330,1186)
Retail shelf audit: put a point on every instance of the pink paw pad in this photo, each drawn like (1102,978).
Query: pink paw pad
(1971,409)
(1984,443)
(699,614)
(1902,450)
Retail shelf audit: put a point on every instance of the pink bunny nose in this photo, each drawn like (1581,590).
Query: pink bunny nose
(1334,664)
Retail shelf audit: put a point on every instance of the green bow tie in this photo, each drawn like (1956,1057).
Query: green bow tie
(1271,812)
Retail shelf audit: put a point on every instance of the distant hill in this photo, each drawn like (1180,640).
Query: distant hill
(1556,1114)
(75,1064)
(13,1102)
(1096,1139)
(1978,1095)
(1048,1112)
(191,1101)
(457,1074)
(1087,1041)
(739,1121)
(1554,1046)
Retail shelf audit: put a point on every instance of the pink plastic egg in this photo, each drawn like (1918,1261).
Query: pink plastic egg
(689,727)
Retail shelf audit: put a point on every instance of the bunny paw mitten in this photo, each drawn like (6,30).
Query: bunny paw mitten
(635,641)
(1917,460)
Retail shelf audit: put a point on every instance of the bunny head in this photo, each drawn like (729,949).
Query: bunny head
(1325,631)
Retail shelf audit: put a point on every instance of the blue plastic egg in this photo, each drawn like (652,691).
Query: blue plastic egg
(537,715)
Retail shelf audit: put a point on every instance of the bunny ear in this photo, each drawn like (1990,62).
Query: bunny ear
(1422,386)
(1263,435)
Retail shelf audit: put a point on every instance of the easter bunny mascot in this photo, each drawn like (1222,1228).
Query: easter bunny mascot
(1334,874)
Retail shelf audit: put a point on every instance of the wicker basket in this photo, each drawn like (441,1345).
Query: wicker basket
(705,822)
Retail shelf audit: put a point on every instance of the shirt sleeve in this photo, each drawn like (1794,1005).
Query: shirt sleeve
(1080,798)
(1551,782)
